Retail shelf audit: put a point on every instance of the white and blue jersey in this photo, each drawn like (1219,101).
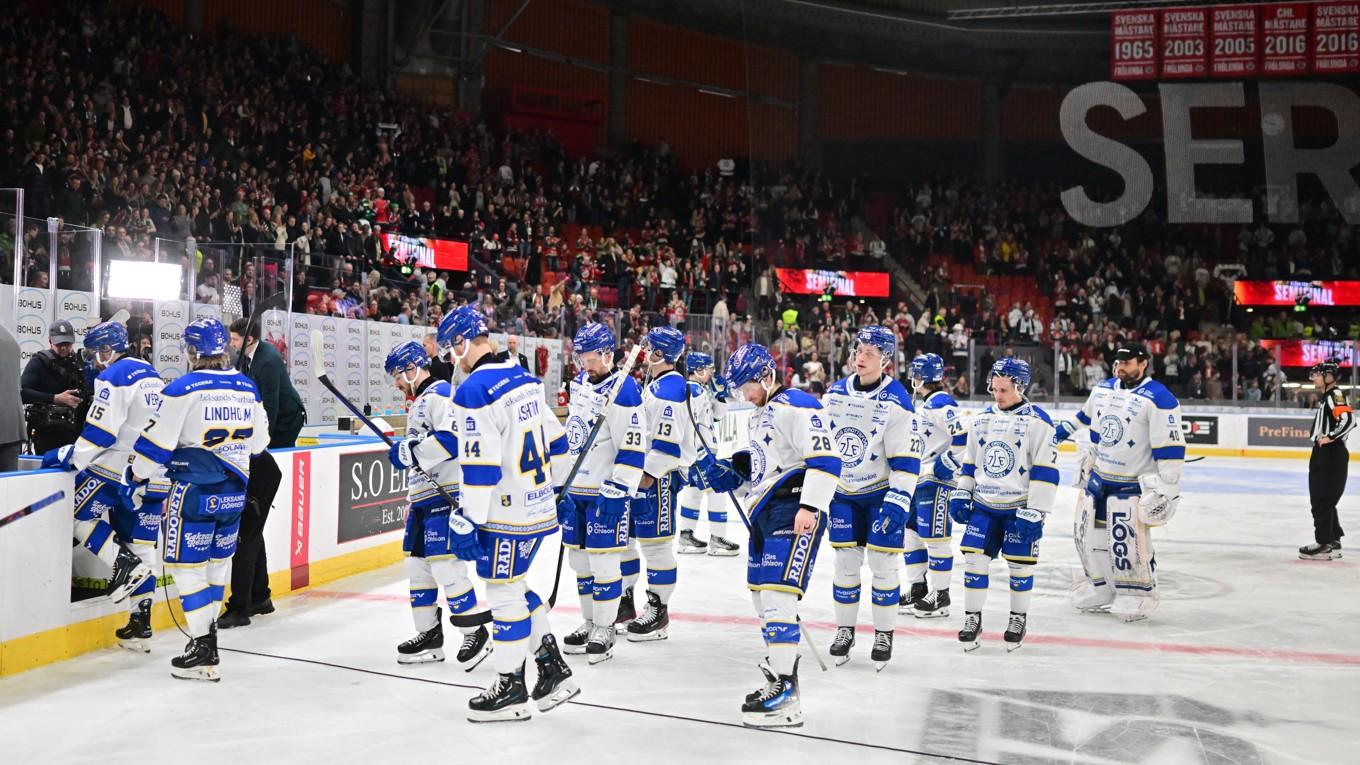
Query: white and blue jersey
(435,450)
(1134,431)
(207,425)
(1010,461)
(876,434)
(126,395)
(672,444)
(510,443)
(791,448)
(943,429)
(619,451)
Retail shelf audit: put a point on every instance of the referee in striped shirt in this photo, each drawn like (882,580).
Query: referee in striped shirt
(1327,465)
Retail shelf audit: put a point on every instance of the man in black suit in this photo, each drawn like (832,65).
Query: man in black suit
(263,364)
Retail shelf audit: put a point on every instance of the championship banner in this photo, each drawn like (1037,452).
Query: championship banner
(1133,45)
(167,342)
(1306,353)
(80,308)
(1312,294)
(1234,32)
(805,281)
(1284,30)
(1184,42)
(1336,37)
(439,254)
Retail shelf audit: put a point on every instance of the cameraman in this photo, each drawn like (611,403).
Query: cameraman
(51,387)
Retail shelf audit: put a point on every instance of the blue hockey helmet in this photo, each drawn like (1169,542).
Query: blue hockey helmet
(751,362)
(927,368)
(462,323)
(206,337)
(594,336)
(109,334)
(1016,369)
(880,337)
(697,361)
(405,355)
(668,341)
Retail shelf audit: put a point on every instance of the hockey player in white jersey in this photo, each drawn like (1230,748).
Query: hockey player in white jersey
(671,449)
(430,562)
(593,511)
(1005,489)
(876,433)
(943,435)
(789,470)
(126,393)
(709,404)
(1130,476)
(206,426)
(512,451)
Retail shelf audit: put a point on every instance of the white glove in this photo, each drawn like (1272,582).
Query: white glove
(1086,460)
(1159,501)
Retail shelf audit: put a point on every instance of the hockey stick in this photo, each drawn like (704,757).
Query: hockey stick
(741,512)
(31,508)
(610,396)
(1187,460)
(458,620)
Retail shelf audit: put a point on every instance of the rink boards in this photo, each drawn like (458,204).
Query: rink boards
(339,512)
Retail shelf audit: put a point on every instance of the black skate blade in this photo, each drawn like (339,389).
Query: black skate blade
(473,662)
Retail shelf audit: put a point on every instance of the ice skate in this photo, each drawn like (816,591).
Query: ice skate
(135,634)
(554,685)
(882,652)
(474,650)
(424,648)
(911,597)
(128,574)
(627,612)
(574,643)
(653,623)
(932,606)
(770,679)
(690,545)
(505,700)
(1015,632)
(199,661)
(1320,552)
(720,547)
(600,647)
(841,644)
(971,634)
(777,705)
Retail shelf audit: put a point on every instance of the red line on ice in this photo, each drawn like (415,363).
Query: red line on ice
(1078,642)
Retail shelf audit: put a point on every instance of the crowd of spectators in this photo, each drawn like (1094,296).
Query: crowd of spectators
(268,161)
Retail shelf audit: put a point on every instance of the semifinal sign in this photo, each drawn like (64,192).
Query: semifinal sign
(1134,48)
(439,254)
(1284,30)
(1235,53)
(1320,293)
(1336,38)
(805,281)
(1306,353)
(1184,49)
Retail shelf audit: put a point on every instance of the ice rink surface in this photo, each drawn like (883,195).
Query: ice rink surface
(1253,657)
